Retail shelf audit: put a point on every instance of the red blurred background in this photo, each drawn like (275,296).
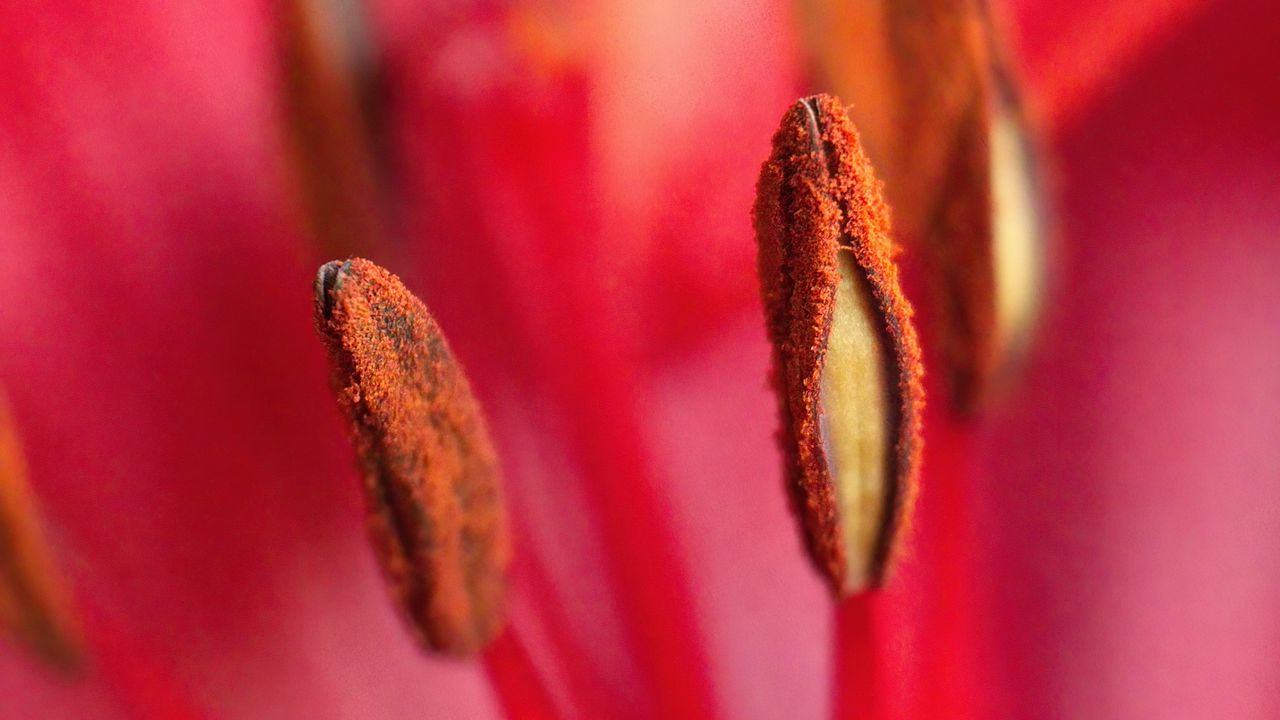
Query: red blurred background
(572,188)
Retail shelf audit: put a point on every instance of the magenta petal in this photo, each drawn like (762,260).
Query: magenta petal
(1132,487)
(1072,53)
(765,612)
(167,385)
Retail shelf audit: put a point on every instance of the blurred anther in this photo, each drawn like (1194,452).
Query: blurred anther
(942,124)
(34,606)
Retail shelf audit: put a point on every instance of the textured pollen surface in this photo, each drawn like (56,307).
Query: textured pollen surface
(431,477)
(817,196)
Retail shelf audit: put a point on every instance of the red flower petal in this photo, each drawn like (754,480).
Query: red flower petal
(168,386)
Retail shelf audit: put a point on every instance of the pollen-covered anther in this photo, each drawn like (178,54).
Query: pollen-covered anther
(431,476)
(846,358)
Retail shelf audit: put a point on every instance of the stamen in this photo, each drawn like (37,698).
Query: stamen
(431,477)
(846,358)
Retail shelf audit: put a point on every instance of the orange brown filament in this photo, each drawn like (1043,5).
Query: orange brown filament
(846,358)
(34,608)
(329,131)
(430,473)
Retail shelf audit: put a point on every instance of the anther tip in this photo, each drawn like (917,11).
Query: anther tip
(328,280)
(812,108)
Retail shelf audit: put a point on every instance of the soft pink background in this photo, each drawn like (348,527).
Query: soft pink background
(575,211)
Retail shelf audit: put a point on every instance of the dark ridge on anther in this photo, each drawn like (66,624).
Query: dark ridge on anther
(810,105)
(326,283)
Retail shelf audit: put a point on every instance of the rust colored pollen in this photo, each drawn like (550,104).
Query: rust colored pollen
(846,359)
(431,476)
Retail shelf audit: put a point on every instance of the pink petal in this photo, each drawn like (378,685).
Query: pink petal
(1131,489)
(167,384)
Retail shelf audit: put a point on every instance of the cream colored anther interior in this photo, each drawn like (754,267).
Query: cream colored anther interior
(1017,244)
(855,421)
